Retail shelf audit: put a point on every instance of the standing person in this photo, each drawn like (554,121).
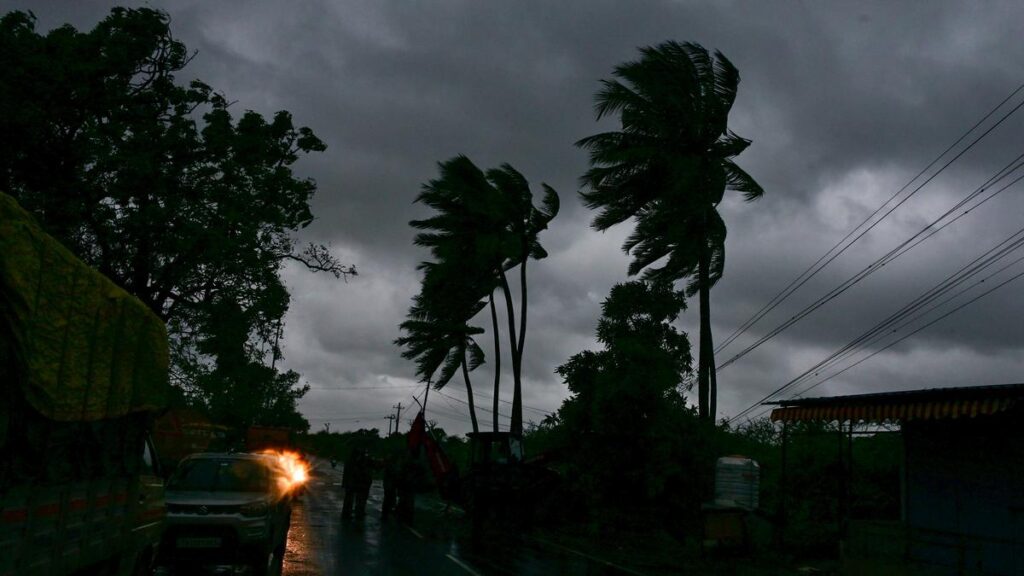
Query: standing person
(392,469)
(408,478)
(356,479)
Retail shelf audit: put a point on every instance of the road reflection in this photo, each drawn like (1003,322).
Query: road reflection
(321,543)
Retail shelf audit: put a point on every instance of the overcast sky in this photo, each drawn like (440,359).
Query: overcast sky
(844,103)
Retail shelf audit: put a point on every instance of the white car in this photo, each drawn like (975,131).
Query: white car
(224,511)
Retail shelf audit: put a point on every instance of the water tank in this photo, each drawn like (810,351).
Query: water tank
(737,482)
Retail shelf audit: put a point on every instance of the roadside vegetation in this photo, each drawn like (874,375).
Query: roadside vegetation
(157,184)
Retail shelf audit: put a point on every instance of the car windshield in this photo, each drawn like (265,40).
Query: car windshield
(221,475)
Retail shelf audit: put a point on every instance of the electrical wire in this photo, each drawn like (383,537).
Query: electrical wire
(347,388)
(899,319)
(525,407)
(828,256)
(909,244)
(479,408)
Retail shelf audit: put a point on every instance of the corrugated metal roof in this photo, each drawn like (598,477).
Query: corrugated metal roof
(927,404)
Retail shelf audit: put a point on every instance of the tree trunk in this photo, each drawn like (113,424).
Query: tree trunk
(712,374)
(705,356)
(517,392)
(469,393)
(516,426)
(497,358)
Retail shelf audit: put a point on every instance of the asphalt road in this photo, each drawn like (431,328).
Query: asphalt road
(320,543)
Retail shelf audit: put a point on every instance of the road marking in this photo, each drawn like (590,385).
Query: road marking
(413,530)
(462,565)
(588,557)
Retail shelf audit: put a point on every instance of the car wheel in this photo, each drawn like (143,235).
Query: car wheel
(143,564)
(263,563)
(268,562)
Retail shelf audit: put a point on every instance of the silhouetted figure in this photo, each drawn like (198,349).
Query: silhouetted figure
(392,472)
(356,480)
(408,478)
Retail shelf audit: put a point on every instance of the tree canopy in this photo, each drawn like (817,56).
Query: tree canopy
(626,420)
(483,225)
(667,169)
(161,188)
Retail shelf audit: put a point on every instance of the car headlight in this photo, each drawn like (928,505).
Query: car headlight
(254,509)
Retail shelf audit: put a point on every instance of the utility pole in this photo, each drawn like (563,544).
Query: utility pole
(398,416)
(327,427)
(390,418)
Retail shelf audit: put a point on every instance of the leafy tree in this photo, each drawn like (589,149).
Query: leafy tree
(161,188)
(644,361)
(484,225)
(626,419)
(239,391)
(668,168)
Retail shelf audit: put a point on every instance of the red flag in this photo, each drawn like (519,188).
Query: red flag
(418,432)
(440,465)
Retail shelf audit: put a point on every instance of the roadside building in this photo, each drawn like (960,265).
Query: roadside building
(962,477)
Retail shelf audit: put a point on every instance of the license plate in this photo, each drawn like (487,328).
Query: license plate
(198,542)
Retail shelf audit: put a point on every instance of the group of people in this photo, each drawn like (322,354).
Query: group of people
(400,476)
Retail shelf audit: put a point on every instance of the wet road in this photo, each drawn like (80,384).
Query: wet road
(319,543)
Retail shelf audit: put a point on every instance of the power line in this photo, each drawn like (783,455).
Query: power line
(542,411)
(459,417)
(828,256)
(954,310)
(480,408)
(910,243)
(342,416)
(899,319)
(988,258)
(346,388)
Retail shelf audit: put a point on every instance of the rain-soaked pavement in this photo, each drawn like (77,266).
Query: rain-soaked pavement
(319,543)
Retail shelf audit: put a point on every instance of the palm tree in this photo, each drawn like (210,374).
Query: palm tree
(525,222)
(465,235)
(485,225)
(668,168)
(438,334)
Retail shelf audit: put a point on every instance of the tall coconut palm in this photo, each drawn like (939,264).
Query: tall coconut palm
(438,334)
(485,225)
(525,222)
(465,235)
(668,168)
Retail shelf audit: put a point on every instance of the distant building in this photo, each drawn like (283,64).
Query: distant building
(963,478)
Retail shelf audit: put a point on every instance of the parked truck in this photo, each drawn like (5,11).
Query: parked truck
(181,432)
(83,371)
(259,438)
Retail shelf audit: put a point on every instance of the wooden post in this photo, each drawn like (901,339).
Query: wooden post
(782,489)
(842,482)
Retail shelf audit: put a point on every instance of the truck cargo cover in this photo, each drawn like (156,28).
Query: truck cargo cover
(88,350)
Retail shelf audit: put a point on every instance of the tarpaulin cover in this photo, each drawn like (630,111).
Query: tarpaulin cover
(88,349)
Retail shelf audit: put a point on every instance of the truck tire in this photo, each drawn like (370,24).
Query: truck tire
(143,563)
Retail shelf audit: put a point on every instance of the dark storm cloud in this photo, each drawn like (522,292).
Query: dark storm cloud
(844,103)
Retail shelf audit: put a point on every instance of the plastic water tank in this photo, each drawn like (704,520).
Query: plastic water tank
(737,482)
